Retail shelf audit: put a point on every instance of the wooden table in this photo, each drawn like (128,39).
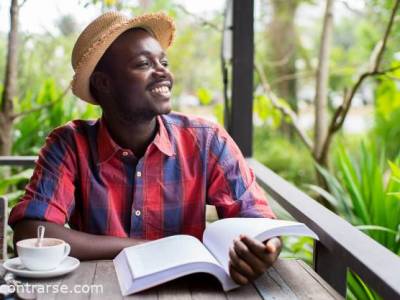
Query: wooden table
(288,279)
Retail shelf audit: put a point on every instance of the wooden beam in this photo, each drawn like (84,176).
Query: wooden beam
(26,161)
(241,120)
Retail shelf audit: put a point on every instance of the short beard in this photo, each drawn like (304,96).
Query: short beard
(137,117)
(130,118)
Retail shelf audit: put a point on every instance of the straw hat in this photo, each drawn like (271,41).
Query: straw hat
(99,35)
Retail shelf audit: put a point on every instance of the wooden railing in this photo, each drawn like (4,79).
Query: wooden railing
(340,247)
(26,161)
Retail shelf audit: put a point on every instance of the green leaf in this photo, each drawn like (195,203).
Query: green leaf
(377,228)
(14,179)
(329,197)
(205,96)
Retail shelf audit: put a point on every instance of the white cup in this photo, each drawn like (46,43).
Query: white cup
(46,257)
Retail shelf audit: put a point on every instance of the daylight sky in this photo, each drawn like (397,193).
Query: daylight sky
(40,15)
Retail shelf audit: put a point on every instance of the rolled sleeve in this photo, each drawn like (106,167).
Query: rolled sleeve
(49,195)
(232,186)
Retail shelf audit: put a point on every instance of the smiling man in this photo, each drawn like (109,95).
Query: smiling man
(140,172)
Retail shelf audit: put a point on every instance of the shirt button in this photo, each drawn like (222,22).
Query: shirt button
(137,213)
(139,174)
(125,153)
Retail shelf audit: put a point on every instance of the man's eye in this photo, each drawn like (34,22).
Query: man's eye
(164,63)
(143,64)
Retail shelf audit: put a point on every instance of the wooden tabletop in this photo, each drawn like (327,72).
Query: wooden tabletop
(287,279)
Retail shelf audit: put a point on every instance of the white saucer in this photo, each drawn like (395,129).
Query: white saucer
(15,266)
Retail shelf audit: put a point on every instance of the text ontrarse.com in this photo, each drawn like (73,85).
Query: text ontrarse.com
(29,288)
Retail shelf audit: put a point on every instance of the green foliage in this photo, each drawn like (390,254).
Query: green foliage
(387,113)
(204,95)
(366,193)
(298,247)
(371,188)
(291,160)
(219,113)
(31,129)
(266,112)
(17,181)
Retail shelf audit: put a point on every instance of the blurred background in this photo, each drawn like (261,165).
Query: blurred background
(312,67)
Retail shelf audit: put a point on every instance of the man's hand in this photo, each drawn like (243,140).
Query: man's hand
(250,258)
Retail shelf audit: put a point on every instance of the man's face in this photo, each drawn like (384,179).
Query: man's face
(140,83)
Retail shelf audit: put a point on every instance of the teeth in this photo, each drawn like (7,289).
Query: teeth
(160,90)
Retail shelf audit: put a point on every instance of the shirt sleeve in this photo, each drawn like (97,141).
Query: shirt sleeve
(49,195)
(231,184)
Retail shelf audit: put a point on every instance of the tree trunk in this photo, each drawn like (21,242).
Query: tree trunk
(322,84)
(283,39)
(10,83)
(321,97)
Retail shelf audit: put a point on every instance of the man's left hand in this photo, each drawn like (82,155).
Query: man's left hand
(250,258)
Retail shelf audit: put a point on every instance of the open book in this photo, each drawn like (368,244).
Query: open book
(143,266)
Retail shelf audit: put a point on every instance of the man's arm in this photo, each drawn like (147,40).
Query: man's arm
(84,246)
(234,191)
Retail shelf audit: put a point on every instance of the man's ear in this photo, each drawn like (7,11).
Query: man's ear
(101,82)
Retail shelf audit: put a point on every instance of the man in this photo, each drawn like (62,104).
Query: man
(140,172)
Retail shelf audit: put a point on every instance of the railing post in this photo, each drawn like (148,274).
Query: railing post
(330,267)
(3,227)
(241,118)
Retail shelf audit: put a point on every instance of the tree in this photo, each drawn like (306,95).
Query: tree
(321,94)
(9,97)
(340,114)
(10,82)
(282,35)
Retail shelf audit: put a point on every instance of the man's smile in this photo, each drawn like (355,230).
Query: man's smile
(162,88)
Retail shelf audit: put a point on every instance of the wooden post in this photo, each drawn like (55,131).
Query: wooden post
(330,267)
(3,227)
(241,121)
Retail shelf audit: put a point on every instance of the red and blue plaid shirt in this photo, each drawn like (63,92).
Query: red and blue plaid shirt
(82,177)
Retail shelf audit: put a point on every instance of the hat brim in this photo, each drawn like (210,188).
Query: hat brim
(160,25)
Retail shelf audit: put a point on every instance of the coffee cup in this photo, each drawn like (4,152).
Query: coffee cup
(47,256)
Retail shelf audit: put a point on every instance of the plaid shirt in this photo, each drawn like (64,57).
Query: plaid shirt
(82,177)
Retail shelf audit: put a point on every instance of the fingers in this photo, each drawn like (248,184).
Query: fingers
(274,245)
(255,246)
(236,276)
(249,258)
(247,255)
(267,253)
(245,263)
(240,265)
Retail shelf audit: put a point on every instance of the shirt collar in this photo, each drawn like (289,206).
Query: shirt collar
(105,144)
(162,140)
(107,147)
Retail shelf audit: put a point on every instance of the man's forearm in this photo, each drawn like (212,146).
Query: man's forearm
(84,246)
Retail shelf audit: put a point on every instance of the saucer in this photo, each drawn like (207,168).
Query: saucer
(14,265)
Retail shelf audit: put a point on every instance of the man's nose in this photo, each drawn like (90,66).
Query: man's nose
(160,70)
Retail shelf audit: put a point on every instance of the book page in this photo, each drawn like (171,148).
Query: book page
(218,236)
(166,253)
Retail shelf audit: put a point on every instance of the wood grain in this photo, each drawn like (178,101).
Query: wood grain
(300,282)
(287,279)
